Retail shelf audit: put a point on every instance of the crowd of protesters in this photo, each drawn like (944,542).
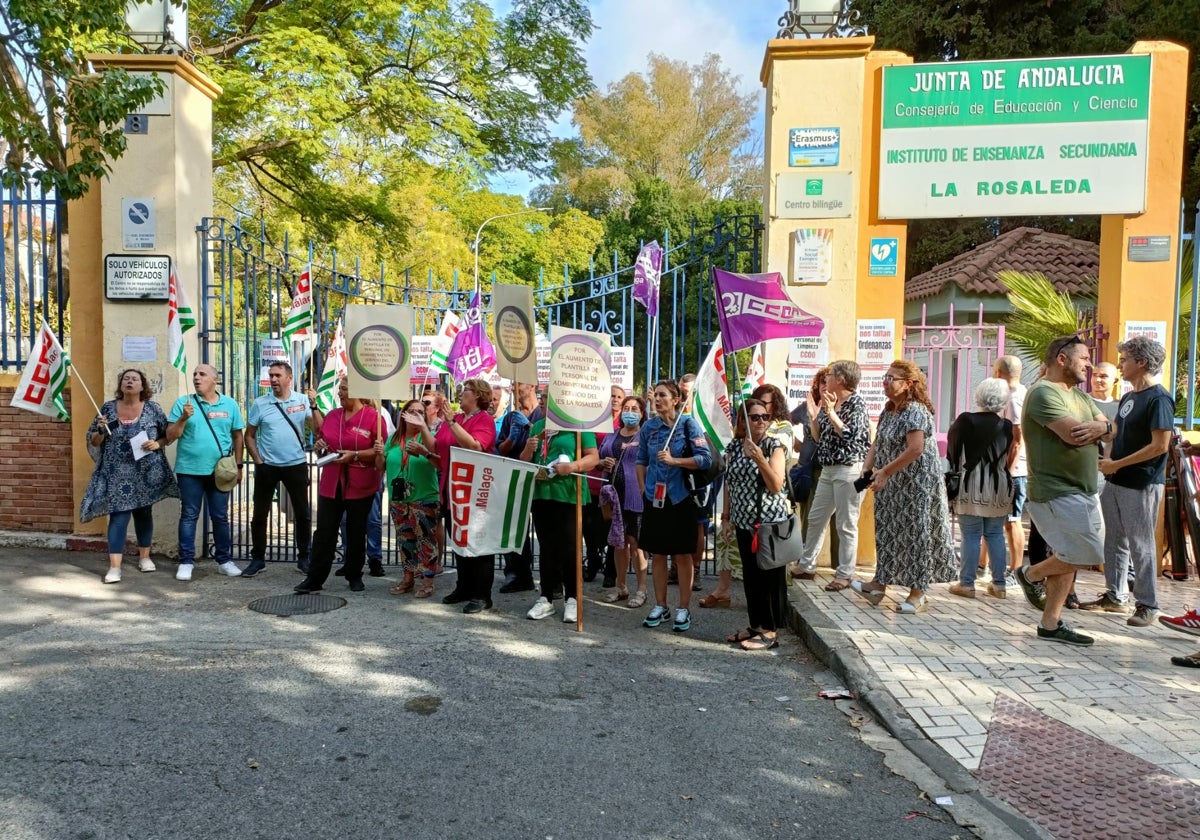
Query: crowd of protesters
(1087,468)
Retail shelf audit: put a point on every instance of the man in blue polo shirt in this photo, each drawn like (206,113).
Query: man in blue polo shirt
(275,441)
(208,426)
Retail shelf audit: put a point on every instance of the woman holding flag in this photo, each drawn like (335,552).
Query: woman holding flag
(668,445)
(124,486)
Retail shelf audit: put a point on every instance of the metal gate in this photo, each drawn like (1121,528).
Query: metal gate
(246,283)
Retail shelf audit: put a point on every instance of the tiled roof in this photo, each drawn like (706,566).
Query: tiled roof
(1072,265)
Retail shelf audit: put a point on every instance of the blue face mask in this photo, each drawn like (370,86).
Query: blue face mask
(630,418)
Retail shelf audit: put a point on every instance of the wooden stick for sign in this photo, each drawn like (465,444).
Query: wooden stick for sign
(84,386)
(578,537)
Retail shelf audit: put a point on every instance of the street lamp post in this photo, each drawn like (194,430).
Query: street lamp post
(479,232)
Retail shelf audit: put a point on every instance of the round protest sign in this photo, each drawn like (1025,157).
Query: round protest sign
(580,394)
(378,352)
(514,334)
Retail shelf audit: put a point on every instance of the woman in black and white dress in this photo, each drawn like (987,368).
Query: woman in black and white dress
(754,495)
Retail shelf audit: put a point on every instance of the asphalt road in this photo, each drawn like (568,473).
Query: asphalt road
(158,709)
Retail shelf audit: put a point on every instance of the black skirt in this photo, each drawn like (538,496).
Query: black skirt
(670,529)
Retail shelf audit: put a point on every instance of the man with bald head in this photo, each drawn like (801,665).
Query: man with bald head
(208,425)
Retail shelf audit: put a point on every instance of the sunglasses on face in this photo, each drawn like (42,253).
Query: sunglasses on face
(426,403)
(759,418)
(887,377)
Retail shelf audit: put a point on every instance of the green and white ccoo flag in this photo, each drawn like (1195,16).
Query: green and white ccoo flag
(336,365)
(41,387)
(300,315)
(490,499)
(180,319)
(711,400)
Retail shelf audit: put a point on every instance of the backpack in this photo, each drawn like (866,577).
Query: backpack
(699,482)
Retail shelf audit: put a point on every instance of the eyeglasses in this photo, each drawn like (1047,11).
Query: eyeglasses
(759,418)
(427,403)
(887,377)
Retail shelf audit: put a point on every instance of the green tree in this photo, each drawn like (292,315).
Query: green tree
(59,124)
(687,126)
(949,30)
(331,106)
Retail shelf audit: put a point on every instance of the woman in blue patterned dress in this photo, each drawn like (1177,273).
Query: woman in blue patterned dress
(123,487)
(912,519)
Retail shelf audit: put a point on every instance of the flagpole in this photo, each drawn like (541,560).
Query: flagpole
(737,377)
(578,537)
(84,386)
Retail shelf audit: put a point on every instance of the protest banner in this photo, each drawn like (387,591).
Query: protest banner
(542,345)
(621,365)
(490,498)
(580,395)
(44,378)
(471,353)
(377,350)
(420,371)
(712,408)
(512,314)
(755,307)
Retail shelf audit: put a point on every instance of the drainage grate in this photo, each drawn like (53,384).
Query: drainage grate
(297,604)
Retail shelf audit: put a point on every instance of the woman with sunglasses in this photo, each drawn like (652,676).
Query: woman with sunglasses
(665,449)
(472,428)
(412,480)
(912,520)
(754,495)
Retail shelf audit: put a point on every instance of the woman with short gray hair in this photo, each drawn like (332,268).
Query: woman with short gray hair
(981,450)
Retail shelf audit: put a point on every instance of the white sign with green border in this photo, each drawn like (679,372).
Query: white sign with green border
(1025,137)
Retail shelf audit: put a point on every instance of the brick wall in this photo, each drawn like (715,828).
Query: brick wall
(35,470)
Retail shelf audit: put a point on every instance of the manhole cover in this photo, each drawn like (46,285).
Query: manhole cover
(297,604)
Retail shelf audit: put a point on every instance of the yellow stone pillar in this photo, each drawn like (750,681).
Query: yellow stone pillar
(832,83)
(170,164)
(1145,291)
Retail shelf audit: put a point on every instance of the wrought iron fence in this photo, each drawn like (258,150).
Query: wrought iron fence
(32,266)
(246,283)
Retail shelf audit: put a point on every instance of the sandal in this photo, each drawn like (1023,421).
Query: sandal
(615,595)
(1192,661)
(425,589)
(403,586)
(761,641)
(743,635)
(873,596)
(912,607)
(715,600)
(837,585)
(636,600)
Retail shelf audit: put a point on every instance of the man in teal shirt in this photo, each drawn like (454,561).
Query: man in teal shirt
(208,426)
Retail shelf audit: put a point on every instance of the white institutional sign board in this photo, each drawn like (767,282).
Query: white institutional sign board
(1025,137)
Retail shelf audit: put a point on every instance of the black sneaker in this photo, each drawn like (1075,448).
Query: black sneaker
(254,568)
(376,568)
(306,587)
(516,585)
(610,581)
(455,597)
(1035,593)
(1063,633)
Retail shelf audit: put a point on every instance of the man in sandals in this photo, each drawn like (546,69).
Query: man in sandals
(1061,426)
(275,442)
(208,426)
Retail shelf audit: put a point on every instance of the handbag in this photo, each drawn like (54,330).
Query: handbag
(953,480)
(779,543)
(225,473)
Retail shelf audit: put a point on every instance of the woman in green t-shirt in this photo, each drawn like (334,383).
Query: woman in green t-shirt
(412,480)
(554,512)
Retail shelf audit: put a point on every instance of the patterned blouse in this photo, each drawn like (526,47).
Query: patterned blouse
(120,483)
(747,491)
(850,447)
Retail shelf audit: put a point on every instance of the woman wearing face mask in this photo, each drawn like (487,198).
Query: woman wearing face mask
(618,456)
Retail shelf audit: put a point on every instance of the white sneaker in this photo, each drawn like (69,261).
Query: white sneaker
(184,572)
(542,608)
(145,564)
(570,611)
(112,576)
(230,568)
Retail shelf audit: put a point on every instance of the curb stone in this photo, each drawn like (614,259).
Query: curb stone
(837,651)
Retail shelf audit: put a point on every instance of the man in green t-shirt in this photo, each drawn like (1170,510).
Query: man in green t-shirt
(1061,426)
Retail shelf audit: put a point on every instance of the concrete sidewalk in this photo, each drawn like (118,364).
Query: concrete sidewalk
(1076,739)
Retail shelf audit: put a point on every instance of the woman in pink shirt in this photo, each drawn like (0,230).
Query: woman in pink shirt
(347,486)
(472,428)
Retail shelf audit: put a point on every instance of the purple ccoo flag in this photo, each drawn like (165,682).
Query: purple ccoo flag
(646,274)
(472,352)
(755,307)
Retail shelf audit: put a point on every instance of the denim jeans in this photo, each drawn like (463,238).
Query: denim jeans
(194,489)
(974,529)
(118,526)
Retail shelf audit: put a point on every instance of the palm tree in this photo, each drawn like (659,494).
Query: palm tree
(1040,314)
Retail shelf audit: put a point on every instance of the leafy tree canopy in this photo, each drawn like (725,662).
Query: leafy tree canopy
(44,43)
(940,30)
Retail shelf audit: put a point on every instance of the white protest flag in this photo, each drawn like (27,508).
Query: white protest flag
(180,319)
(442,341)
(711,403)
(300,316)
(41,387)
(490,498)
(336,365)
(756,374)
